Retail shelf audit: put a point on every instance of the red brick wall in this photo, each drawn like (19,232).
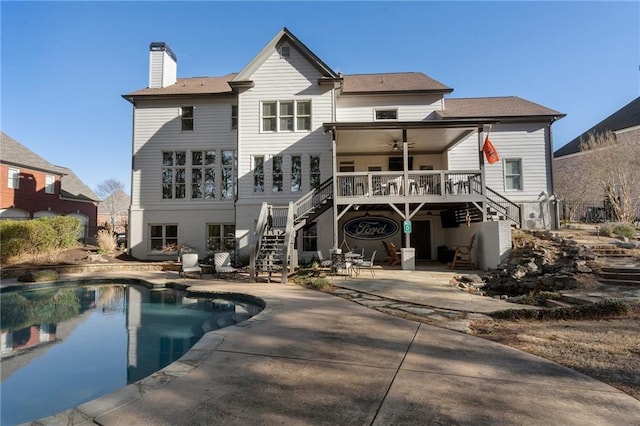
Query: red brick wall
(31,196)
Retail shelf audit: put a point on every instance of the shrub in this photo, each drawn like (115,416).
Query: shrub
(67,229)
(600,310)
(107,242)
(624,230)
(42,236)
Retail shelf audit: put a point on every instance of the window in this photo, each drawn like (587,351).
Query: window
(310,238)
(187,117)
(304,115)
(314,171)
(347,166)
(234,117)
(513,174)
(221,237)
(258,174)
(286,116)
(269,112)
(374,168)
(227,189)
(14,178)
(396,164)
(285,51)
(386,114)
(296,173)
(49,184)
(174,174)
(203,177)
(164,237)
(277,174)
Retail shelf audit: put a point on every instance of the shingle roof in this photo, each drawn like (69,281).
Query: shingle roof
(190,86)
(392,82)
(507,106)
(14,153)
(625,117)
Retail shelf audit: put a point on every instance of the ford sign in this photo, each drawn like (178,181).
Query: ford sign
(370,228)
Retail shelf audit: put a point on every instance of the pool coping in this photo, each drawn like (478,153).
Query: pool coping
(86,412)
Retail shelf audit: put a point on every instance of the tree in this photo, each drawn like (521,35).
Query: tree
(111,192)
(613,167)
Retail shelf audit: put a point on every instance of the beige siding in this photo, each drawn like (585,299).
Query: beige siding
(282,79)
(410,107)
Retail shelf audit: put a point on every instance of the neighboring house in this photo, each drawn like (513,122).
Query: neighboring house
(32,187)
(113,211)
(624,124)
(338,160)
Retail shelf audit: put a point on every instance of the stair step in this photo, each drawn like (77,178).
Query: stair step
(555,303)
(579,299)
(616,281)
(627,276)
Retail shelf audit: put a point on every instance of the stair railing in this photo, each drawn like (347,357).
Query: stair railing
(313,199)
(498,202)
(257,235)
(288,243)
(503,205)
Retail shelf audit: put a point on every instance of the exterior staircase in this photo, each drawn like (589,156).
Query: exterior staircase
(270,255)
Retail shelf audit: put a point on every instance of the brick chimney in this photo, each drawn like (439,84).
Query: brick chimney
(163,66)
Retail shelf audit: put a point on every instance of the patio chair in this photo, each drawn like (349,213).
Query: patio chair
(222,261)
(368,264)
(462,257)
(189,264)
(322,262)
(339,262)
(394,257)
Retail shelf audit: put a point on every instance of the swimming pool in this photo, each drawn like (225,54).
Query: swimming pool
(62,346)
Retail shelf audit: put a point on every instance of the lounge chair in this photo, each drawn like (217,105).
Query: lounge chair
(222,262)
(189,264)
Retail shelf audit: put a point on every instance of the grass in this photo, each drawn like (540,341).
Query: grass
(602,342)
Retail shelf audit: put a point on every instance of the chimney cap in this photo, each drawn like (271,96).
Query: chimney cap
(161,45)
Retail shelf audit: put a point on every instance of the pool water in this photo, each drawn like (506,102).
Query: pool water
(64,346)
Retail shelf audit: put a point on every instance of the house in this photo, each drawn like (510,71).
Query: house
(569,176)
(36,188)
(113,211)
(288,146)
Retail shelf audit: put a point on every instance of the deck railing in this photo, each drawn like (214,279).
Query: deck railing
(424,182)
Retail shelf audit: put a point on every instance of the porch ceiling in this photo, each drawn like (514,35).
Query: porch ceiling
(435,136)
(368,141)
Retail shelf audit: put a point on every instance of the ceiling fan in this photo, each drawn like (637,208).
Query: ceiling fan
(396,146)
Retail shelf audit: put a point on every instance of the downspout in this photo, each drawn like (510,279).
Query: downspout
(483,183)
(335,187)
(556,211)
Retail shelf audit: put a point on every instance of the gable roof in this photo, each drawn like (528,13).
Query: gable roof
(495,107)
(284,35)
(626,117)
(416,82)
(189,86)
(14,153)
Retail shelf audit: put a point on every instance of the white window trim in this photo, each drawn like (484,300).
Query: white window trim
(192,118)
(13,178)
(504,174)
(49,187)
(164,238)
(278,116)
(376,110)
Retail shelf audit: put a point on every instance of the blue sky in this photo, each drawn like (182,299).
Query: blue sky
(65,64)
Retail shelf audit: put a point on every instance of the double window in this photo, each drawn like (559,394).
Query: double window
(286,116)
(221,237)
(208,174)
(163,237)
(513,174)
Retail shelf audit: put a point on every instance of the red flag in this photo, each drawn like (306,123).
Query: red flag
(490,151)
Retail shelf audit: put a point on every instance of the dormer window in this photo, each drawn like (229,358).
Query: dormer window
(386,114)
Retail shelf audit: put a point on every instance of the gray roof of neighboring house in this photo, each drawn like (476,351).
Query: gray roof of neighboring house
(626,117)
(392,82)
(495,107)
(14,153)
(121,201)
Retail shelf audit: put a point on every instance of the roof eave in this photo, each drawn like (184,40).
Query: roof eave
(397,92)
(361,125)
(151,96)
